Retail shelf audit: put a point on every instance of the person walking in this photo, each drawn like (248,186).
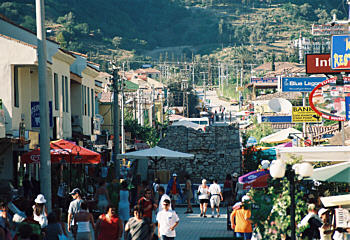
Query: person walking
(228,190)
(53,229)
(313,221)
(102,196)
(240,220)
(215,197)
(188,194)
(109,226)
(40,211)
(167,222)
(155,187)
(203,196)
(147,204)
(74,207)
(137,227)
(83,219)
(162,196)
(174,190)
(124,202)
(327,229)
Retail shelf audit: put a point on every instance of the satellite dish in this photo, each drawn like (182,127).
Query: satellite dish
(280,105)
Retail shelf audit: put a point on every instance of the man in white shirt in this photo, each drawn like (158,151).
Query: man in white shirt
(216,196)
(162,196)
(167,221)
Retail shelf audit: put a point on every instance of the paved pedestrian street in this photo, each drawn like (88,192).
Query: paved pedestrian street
(192,226)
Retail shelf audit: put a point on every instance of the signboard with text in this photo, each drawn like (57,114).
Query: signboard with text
(340,52)
(306,84)
(35,114)
(264,80)
(320,63)
(276,119)
(328,29)
(305,114)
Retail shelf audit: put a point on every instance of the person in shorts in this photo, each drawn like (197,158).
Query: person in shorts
(174,190)
(203,196)
(215,197)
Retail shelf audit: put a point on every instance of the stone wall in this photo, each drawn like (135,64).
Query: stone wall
(217,152)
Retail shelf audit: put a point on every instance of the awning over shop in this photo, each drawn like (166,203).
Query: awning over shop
(280,136)
(63,150)
(317,154)
(334,173)
(335,201)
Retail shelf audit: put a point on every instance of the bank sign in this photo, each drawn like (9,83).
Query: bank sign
(306,84)
(340,52)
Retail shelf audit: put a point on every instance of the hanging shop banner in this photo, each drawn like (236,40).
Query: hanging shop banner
(306,84)
(320,63)
(35,114)
(305,114)
(328,99)
(340,52)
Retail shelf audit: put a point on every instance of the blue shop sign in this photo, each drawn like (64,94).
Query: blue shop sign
(306,84)
(35,114)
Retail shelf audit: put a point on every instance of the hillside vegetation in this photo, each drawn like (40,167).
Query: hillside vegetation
(126,28)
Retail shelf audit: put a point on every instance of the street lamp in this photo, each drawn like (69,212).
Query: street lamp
(279,169)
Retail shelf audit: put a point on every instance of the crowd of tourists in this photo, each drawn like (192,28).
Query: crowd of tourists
(145,211)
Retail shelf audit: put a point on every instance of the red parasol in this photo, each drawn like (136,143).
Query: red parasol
(64,150)
(255,179)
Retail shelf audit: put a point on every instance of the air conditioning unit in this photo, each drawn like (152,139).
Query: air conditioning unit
(76,120)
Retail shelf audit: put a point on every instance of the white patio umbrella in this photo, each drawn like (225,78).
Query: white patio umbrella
(280,136)
(155,154)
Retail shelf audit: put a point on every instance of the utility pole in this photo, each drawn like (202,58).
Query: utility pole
(219,77)
(116,125)
(204,88)
(45,158)
(122,113)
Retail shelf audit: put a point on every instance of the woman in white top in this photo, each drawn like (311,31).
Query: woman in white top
(40,211)
(83,219)
(203,196)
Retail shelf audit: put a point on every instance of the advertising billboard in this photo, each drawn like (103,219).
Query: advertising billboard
(320,63)
(305,84)
(328,99)
(340,52)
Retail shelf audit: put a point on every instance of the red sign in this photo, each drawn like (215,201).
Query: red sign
(320,63)
(328,99)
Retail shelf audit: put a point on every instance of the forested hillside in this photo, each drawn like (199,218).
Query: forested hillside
(103,28)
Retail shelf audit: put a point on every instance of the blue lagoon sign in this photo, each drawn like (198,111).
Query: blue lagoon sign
(306,84)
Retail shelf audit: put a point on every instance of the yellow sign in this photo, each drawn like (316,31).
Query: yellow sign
(240,89)
(305,114)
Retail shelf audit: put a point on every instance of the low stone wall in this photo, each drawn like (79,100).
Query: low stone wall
(217,152)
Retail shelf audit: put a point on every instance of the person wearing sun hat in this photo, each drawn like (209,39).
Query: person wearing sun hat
(40,211)
(74,207)
(240,220)
(174,190)
(326,230)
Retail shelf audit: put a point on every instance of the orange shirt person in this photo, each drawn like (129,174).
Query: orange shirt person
(240,221)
